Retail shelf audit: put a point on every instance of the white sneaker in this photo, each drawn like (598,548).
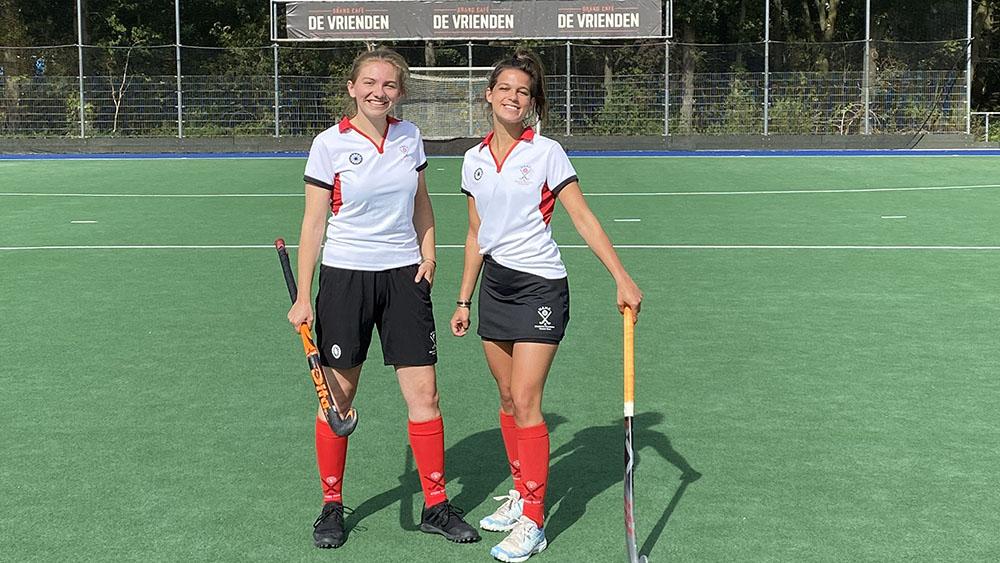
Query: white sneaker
(504,518)
(525,540)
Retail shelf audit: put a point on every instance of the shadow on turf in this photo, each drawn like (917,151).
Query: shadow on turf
(477,462)
(581,469)
(592,462)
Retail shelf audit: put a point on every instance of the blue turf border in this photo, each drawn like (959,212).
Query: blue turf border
(573,153)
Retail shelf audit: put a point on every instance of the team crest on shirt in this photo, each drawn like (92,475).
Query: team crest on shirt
(356,158)
(478,174)
(525,178)
(544,323)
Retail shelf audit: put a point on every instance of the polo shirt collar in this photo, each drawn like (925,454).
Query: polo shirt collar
(346,125)
(527,135)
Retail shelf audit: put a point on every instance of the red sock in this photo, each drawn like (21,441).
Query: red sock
(533,447)
(331,453)
(427,443)
(508,429)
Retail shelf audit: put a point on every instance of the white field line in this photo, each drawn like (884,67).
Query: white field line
(628,220)
(564,246)
(595,194)
(894,216)
(83,222)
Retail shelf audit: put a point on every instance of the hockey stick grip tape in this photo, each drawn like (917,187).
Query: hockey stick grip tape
(629,360)
(286,269)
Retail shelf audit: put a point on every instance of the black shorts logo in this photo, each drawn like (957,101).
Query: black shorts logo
(434,343)
(478,175)
(544,324)
(356,158)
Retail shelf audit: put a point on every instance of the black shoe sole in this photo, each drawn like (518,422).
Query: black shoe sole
(328,544)
(427,528)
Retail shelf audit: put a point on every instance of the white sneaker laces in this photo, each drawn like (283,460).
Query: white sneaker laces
(509,499)
(522,532)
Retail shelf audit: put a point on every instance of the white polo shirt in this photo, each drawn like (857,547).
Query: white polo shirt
(373,186)
(515,196)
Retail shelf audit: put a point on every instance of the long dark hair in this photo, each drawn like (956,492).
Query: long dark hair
(528,62)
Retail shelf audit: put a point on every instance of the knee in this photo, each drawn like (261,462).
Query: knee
(507,403)
(526,408)
(424,399)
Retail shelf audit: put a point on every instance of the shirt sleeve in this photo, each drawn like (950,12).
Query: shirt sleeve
(465,177)
(319,166)
(419,155)
(559,172)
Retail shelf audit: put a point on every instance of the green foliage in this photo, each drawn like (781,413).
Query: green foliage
(791,116)
(73,114)
(626,112)
(742,114)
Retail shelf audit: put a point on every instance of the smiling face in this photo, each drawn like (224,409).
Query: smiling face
(510,98)
(376,89)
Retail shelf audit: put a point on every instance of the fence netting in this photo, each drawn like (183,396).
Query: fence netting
(646,87)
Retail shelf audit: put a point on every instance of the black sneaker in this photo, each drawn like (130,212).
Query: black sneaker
(328,529)
(445,519)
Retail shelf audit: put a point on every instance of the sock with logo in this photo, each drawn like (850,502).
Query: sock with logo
(331,454)
(427,443)
(533,449)
(508,429)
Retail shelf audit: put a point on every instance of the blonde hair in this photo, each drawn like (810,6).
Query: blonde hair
(382,54)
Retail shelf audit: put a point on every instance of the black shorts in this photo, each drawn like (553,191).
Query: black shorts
(521,307)
(350,303)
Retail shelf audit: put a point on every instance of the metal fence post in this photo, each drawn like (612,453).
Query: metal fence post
(666,87)
(177,56)
(767,62)
(277,130)
(79,53)
(471,93)
(867,78)
(968,73)
(569,97)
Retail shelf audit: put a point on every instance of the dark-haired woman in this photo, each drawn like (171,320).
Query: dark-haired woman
(365,189)
(514,179)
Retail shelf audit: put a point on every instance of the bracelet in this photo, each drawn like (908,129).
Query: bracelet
(431,260)
(466,304)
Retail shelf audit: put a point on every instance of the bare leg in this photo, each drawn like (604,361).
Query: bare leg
(343,385)
(499,357)
(419,387)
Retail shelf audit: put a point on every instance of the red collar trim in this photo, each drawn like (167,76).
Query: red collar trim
(345,125)
(526,135)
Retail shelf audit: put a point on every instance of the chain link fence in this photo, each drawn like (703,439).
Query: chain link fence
(594,88)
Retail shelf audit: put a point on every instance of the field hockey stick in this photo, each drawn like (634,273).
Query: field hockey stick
(630,547)
(341,425)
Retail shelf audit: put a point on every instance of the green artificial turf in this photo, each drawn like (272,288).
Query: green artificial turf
(836,402)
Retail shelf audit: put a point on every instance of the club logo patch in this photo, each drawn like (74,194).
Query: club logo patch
(544,324)
(356,158)
(525,178)
(335,350)
(331,480)
(478,175)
